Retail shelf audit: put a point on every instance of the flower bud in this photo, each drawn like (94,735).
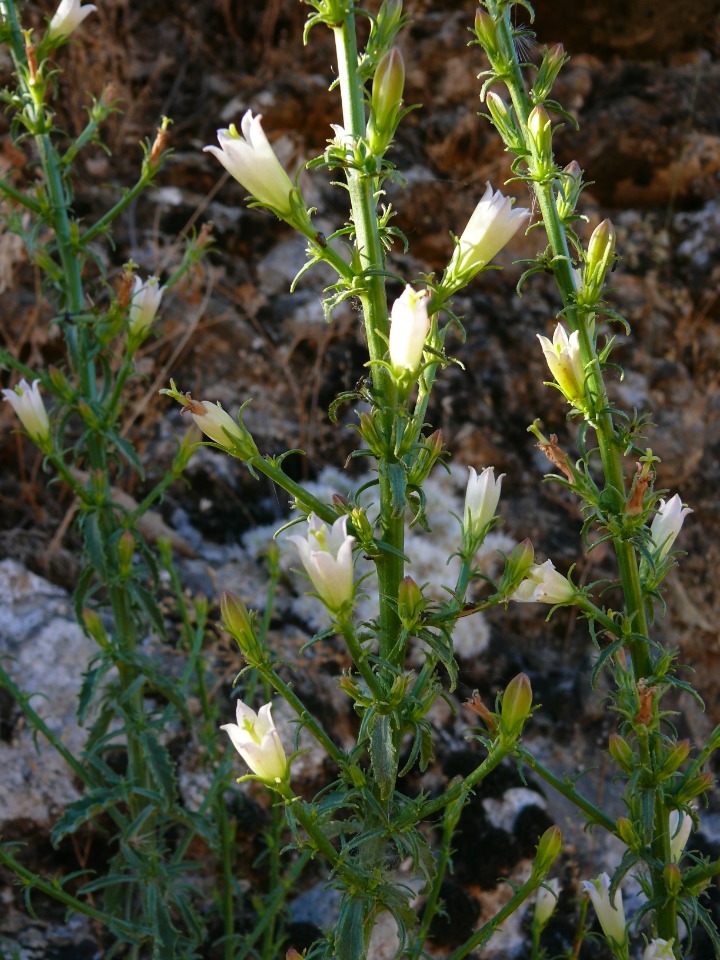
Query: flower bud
(516,707)
(67,18)
(673,879)
(94,626)
(125,551)
(517,566)
(540,130)
(569,191)
(504,121)
(238,622)
(409,327)
(30,409)
(292,954)
(627,833)
(486,33)
(552,62)
(370,433)
(216,424)
(545,902)
(548,848)
(362,526)
(410,602)
(621,752)
(146,297)
(385,100)
(598,260)
(675,759)
(695,787)
(426,458)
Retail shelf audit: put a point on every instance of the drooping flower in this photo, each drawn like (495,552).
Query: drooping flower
(146,297)
(256,739)
(67,18)
(326,554)
(28,405)
(563,359)
(544,584)
(681,824)
(252,162)
(493,224)
(610,913)
(659,950)
(409,326)
(667,524)
(481,499)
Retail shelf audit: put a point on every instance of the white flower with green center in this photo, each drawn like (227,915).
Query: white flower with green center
(252,162)
(256,739)
(30,409)
(544,584)
(326,554)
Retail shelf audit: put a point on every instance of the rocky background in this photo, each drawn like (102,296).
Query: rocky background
(644,85)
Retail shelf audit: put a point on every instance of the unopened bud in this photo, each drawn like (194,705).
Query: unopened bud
(569,190)
(504,121)
(621,752)
(626,832)
(410,602)
(549,68)
(695,787)
(362,527)
(517,566)
(516,706)
(238,622)
(371,435)
(292,954)
(385,100)
(673,879)
(540,129)
(94,627)
(598,261)
(548,848)
(486,33)
(126,549)
(426,458)
(675,759)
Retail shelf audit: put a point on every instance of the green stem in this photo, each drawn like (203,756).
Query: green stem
(305,717)
(114,212)
(20,198)
(481,936)
(593,813)
(360,660)
(610,452)
(497,754)
(362,189)
(131,931)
